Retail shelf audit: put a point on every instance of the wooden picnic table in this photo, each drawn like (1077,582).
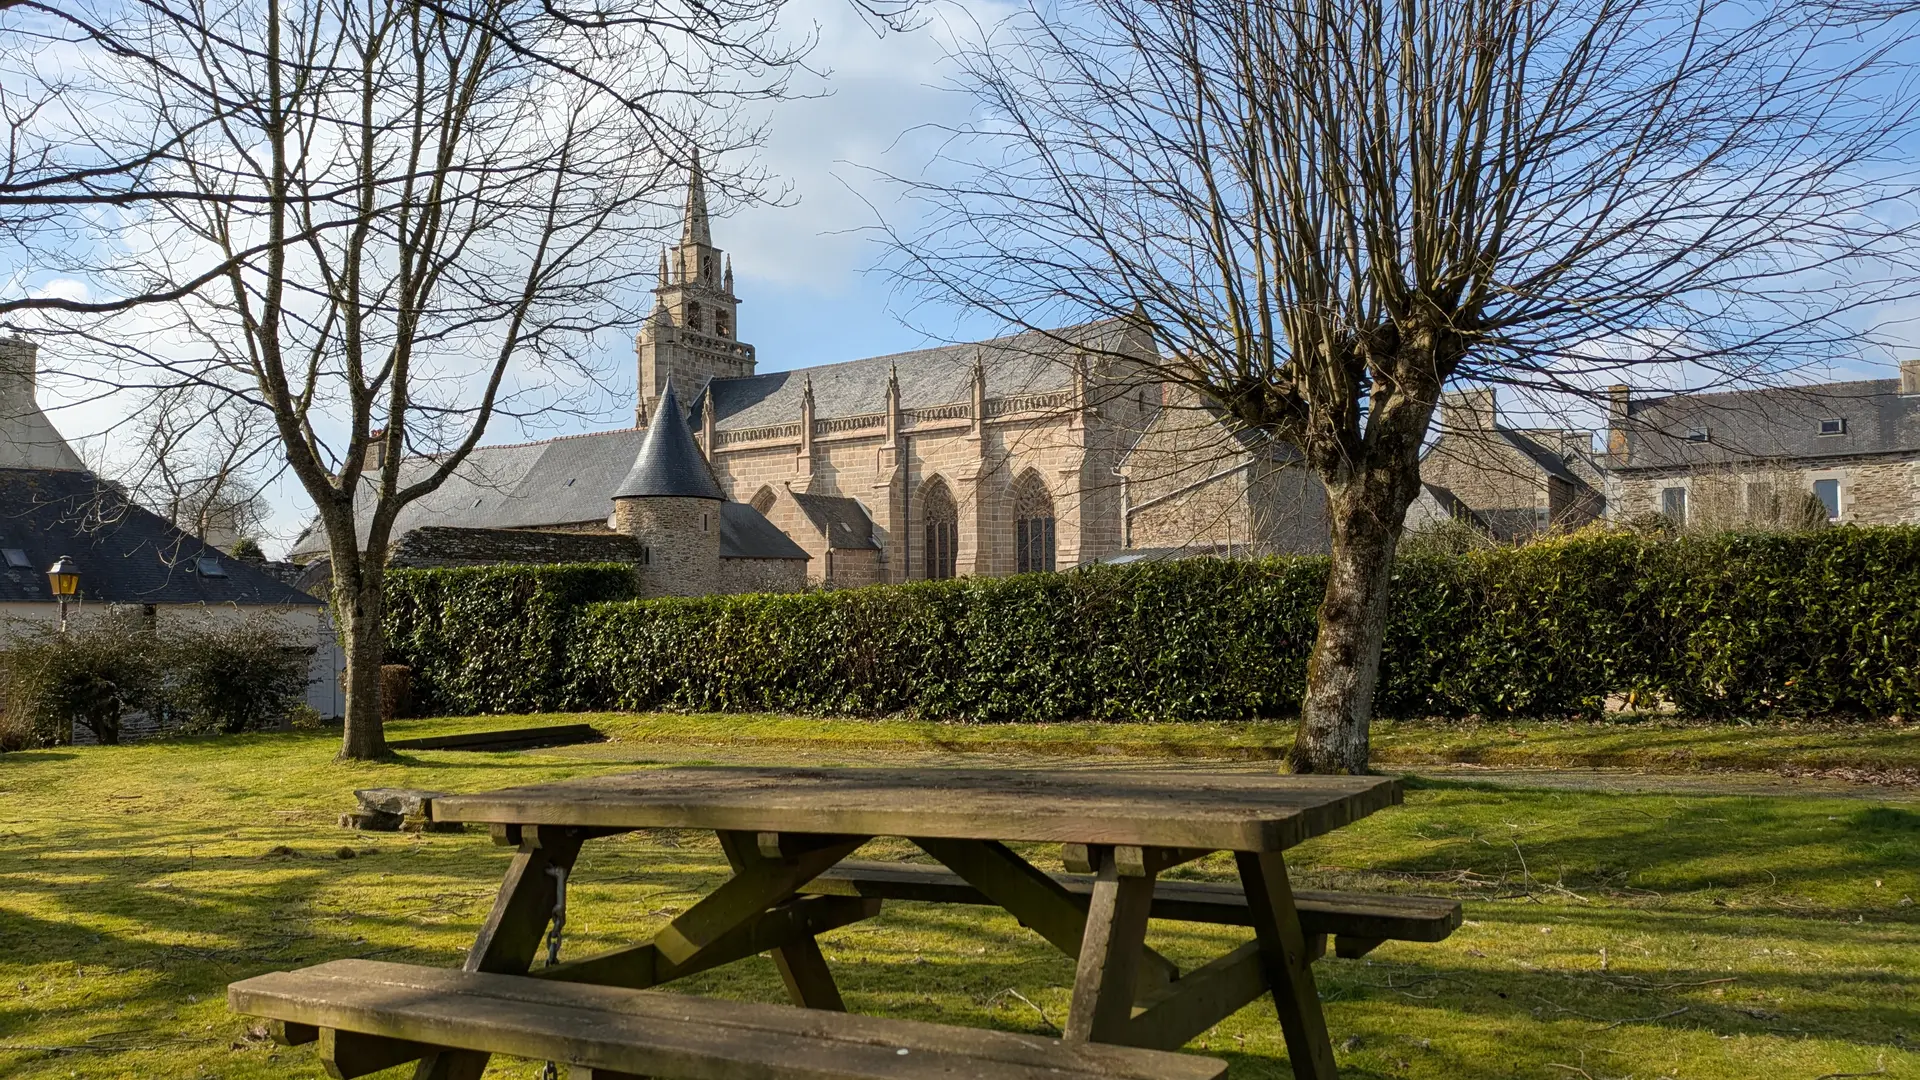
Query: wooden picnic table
(783,827)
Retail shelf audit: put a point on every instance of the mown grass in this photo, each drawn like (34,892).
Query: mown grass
(1623,935)
(1864,747)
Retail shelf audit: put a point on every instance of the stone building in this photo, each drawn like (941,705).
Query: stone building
(1193,483)
(995,457)
(1753,457)
(1514,482)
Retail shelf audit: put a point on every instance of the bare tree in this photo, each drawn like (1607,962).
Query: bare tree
(199,459)
(1325,212)
(416,216)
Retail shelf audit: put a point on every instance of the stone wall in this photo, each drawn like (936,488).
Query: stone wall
(1191,483)
(1873,491)
(762,575)
(682,541)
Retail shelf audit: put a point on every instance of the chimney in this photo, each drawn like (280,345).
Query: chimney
(1619,400)
(1910,376)
(1468,410)
(376,451)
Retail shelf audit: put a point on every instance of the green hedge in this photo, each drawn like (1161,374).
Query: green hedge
(495,638)
(1823,622)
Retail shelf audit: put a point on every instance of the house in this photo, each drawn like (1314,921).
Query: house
(1513,482)
(129,558)
(1752,457)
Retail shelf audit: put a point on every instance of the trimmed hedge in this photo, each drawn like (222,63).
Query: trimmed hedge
(1823,622)
(493,638)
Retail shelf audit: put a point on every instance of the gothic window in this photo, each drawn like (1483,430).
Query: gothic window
(693,317)
(763,500)
(706,268)
(943,529)
(722,325)
(1032,524)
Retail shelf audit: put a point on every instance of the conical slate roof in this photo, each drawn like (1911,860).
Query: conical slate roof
(669,462)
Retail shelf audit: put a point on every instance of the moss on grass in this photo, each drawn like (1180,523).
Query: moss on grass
(1646,935)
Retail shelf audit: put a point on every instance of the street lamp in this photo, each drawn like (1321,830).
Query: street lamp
(64,574)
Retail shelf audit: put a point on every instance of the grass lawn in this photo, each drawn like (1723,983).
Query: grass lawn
(1864,748)
(1607,935)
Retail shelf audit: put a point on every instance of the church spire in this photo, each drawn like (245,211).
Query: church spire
(696,230)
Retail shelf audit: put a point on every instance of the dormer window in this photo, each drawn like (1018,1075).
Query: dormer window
(1834,426)
(1697,434)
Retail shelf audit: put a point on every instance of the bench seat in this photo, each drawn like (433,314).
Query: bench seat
(1357,921)
(372,1013)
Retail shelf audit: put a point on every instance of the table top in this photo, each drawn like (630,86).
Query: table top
(1172,808)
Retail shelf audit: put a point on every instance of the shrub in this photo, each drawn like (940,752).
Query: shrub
(495,638)
(92,676)
(1823,622)
(229,676)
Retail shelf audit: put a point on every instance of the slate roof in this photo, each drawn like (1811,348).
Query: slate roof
(561,481)
(1777,422)
(1028,363)
(746,534)
(843,521)
(127,555)
(669,463)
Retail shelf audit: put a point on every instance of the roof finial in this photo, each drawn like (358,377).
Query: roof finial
(663,266)
(729,280)
(696,231)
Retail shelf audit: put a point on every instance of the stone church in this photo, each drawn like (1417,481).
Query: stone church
(997,457)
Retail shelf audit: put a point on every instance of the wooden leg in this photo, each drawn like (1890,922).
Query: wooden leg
(510,938)
(1039,902)
(802,967)
(1288,962)
(1110,955)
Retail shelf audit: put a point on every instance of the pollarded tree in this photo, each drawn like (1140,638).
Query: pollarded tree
(1325,212)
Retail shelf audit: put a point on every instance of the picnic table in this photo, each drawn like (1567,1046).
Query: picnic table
(788,833)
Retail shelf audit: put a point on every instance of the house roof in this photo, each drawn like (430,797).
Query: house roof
(434,544)
(126,554)
(669,463)
(1776,422)
(843,521)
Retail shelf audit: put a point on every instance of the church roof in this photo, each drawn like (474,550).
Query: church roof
(1028,363)
(746,534)
(669,463)
(843,521)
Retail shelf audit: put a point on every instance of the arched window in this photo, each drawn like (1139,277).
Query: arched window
(1032,524)
(762,500)
(943,529)
(722,325)
(694,317)
(706,268)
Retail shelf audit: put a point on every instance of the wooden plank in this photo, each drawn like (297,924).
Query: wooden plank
(637,967)
(1353,948)
(526,738)
(1381,916)
(1202,998)
(1110,955)
(1133,860)
(1185,809)
(1288,964)
(808,980)
(1032,896)
(345,1054)
(676,1036)
(802,968)
(752,889)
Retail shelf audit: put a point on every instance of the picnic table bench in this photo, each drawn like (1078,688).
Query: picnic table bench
(787,834)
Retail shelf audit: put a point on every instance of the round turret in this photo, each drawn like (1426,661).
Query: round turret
(671,504)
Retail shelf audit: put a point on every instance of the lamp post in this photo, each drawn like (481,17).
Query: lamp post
(64,574)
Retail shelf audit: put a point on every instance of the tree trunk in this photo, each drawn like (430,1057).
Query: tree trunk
(359,598)
(1366,508)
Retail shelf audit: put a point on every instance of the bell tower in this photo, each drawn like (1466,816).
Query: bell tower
(692,334)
